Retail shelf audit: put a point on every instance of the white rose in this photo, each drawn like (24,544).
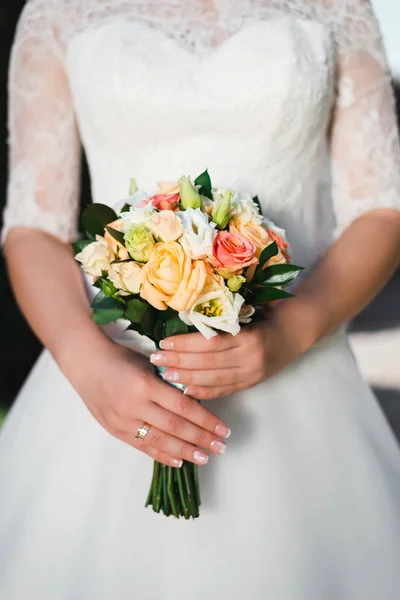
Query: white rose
(245,209)
(218,309)
(95,257)
(138,215)
(245,314)
(127,277)
(165,226)
(198,233)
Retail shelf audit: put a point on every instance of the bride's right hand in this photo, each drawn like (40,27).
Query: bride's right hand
(122,392)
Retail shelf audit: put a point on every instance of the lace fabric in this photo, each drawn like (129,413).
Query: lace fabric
(43,185)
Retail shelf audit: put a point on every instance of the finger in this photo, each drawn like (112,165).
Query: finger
(183,429)
(155,438)
(182,405)
(196,342)
(217,377)
(163,457)
(212,393)
(192,360)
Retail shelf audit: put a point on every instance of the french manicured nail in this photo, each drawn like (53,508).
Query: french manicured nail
(171,376)
(158,358)
(176,463)
(218,446)
(166,345)
(200,457)
(223,431)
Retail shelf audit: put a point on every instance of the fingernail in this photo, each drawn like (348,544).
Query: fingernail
(186,391)
(176,463)
(166,345)
(218,446)
(171,376)
(201,457)
(223,431)
(158,358)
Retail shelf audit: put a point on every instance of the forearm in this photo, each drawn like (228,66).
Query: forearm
(345,280)
(49,289)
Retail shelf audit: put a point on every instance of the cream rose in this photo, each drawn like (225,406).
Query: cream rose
(170,278)
(127,277)
(95,257)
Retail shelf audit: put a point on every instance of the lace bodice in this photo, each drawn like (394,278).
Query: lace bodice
(256,90)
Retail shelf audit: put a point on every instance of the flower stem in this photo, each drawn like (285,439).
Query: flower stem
(179,481)
(165,503)
(171,493)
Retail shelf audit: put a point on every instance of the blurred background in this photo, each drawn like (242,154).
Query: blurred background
(374,335)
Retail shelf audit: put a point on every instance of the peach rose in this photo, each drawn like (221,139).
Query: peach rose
(233,252)
(251,231)
(165,226)
(167,197)
(117,249)
(171,278)
(281,243)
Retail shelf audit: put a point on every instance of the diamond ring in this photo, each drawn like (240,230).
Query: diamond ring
(142,431)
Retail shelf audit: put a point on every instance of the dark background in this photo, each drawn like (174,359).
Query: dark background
(19,347)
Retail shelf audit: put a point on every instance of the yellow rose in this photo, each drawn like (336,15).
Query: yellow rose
(95,257)
(116,248)
(253,232)
(127,277)
(165,226)
(171,278)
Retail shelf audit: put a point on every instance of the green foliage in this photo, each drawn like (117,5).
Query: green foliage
(266,255)
(95,217)
(135,310)
(204,181)
(104,316)
(117,235)
(78,246)
(175,326)
(280,274)
(257,201)
(268,294)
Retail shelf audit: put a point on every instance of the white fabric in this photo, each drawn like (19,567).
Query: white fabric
(306,503)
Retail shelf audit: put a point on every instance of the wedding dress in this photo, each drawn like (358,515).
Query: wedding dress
(287,99)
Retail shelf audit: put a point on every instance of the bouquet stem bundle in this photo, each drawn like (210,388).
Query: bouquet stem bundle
(175,491)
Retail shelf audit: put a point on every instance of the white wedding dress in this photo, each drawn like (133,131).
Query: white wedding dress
(287,99)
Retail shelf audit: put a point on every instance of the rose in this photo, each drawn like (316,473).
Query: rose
(278,235)
(198,233)
(167,197)
(165,226)
(170,278)
(218,309)
(116,248)
(127,277)
(137,199)
(221,208)
(95,257)
(190,197)
(233,251)
(214,280)
(245,209)
(139,243)
(251,231)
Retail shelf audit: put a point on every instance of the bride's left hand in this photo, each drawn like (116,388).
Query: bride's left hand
(226,364)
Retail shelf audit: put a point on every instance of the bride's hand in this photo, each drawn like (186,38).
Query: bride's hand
(226,364)
(122,392)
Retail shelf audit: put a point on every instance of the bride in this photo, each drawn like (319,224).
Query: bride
(287,99)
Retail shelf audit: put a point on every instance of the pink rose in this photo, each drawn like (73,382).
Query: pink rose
(233,251)
(167,197)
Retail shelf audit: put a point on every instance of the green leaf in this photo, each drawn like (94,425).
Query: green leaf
(268,294)
(103,316)
(204,181)
(148,322)
(175,326)
(102,301)
(257,201)
(95,217)
(117,235)
(135,310)
(126,208)
(80,245)
(266,254)
(280,274)
(107,287)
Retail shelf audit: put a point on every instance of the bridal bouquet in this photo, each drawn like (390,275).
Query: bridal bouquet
(187,258)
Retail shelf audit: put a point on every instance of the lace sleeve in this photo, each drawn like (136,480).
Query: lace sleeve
(365,152)
(44,163)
